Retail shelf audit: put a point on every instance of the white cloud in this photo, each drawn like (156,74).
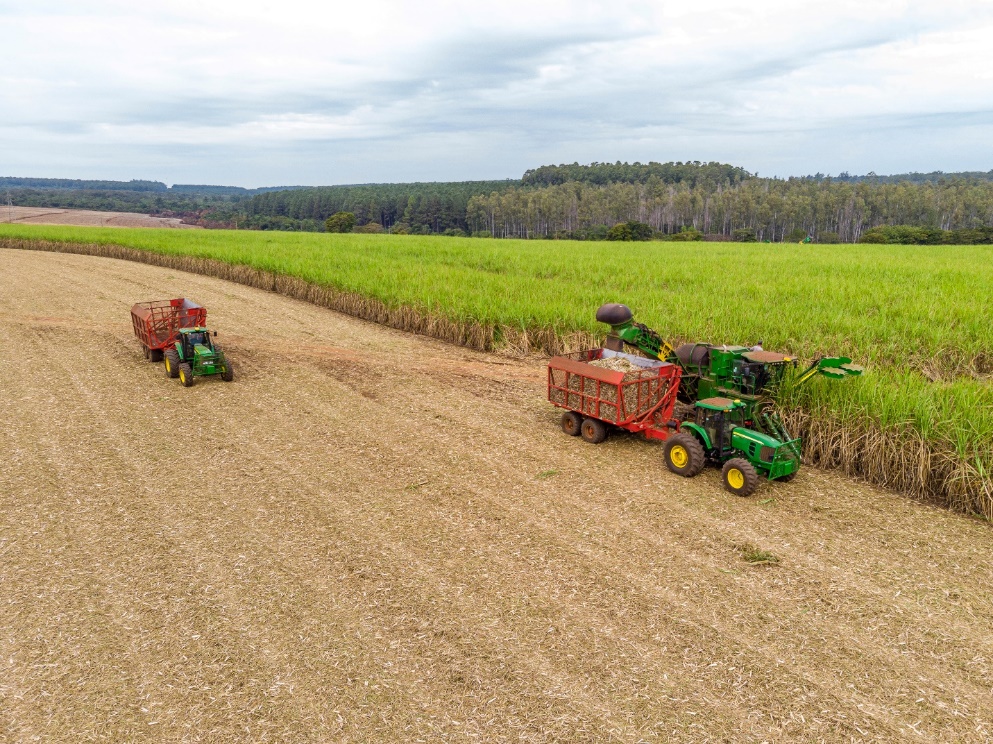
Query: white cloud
(289,92)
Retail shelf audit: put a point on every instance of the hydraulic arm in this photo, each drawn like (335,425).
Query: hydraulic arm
(624,330)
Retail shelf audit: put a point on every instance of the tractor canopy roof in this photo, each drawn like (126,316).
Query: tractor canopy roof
(194,329)
(719,404)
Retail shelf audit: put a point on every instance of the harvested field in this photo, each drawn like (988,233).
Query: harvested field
(374,536)
(85,218)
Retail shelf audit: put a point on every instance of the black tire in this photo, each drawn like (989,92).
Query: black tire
(171,357)
(786,478)
(155,355)
(683,455)
(572,423)
(228,374)
(739,477)
(186,375)
(593,430)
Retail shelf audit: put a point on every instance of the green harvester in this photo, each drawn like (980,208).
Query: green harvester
(193,355)
(732,389)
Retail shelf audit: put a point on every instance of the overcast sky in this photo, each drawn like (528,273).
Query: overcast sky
(281,92)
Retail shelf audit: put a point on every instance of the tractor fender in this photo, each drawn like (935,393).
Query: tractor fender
(698,432)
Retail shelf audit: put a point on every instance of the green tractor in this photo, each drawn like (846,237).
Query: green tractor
(195,355)
(717,433)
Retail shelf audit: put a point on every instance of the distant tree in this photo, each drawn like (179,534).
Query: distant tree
(903,234)
(796,236)
(640,231)
(371,228)
(747,235)
(620,231)
(631,230)
(687,234)
(828,237)
(340,222)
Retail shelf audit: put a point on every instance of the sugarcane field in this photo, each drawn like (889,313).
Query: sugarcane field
(346,531)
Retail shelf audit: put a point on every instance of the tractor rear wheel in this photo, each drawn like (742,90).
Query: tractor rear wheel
(739,477)
(171,363)
(155,355)
(572,422)
(683,455)
(593,430)
(186,375)
(228,374)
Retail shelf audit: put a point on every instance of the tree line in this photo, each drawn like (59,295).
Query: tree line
(416,208)
(757,208)
(680,200)
(691,172)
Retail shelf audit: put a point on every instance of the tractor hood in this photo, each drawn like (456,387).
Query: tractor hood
(763,440)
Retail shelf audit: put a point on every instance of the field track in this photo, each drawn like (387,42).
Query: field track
(84,218)
(374,536)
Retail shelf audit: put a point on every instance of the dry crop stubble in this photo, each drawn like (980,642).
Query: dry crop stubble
(372,549)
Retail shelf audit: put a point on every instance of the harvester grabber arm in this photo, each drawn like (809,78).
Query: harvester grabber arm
(834,367)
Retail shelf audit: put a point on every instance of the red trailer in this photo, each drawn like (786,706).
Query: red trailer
(641,400)
(156,323)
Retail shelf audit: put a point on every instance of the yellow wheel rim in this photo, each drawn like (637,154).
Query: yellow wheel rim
(736,478)
(679,456)
(168,368)
(182,376)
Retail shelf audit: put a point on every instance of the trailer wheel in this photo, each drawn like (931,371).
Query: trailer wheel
(739,477)
(593,430)
(683,455)
(171,363)
(186,375)
(228,374)
(572,423)
(155,355)
(145,351)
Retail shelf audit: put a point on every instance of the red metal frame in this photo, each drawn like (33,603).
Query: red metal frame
(157,323)
(600,393)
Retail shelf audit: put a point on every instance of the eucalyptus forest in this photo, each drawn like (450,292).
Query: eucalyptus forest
(677,200)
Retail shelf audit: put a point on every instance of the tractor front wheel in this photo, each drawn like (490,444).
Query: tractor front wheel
(683,455)
(572,422)
(186,375)
(739,477)
(171,363)
(593,430)
(786,478)
(228,374)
